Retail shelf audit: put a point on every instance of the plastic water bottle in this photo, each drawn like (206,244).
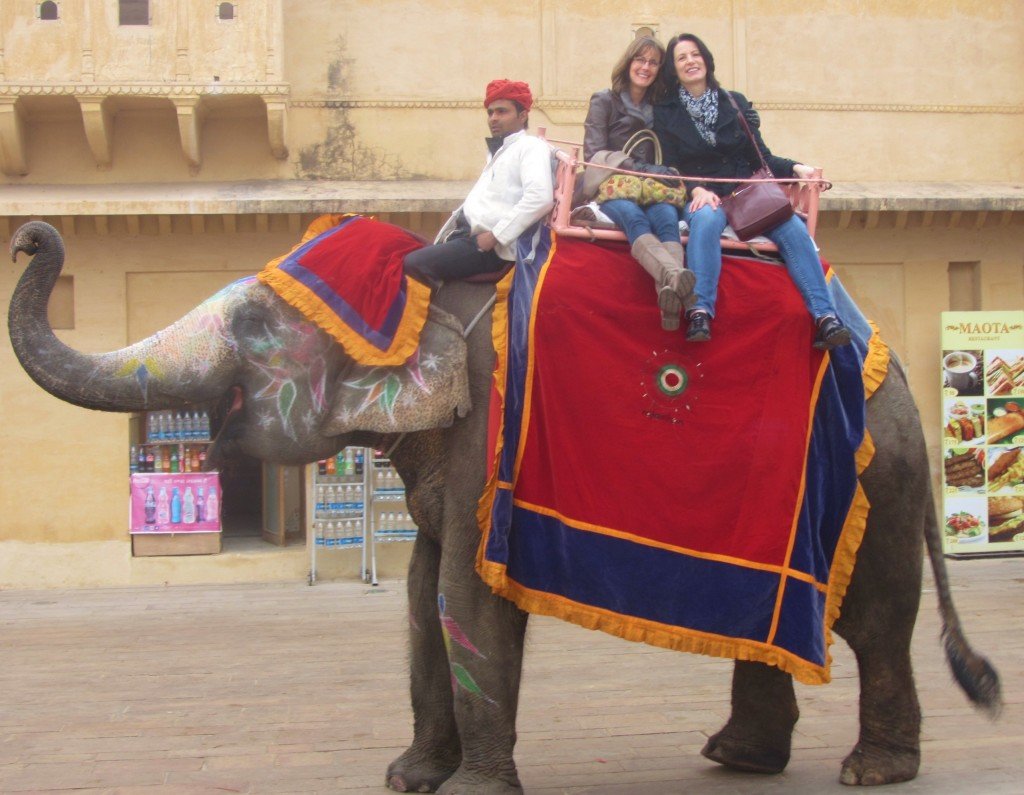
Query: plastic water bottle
(163,507)
(212,507)
(188,507)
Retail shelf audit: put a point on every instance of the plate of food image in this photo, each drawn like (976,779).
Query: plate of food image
(1006,470)
(1005,422)
(965,421)
(964,527)
(964,469)
(1005,518)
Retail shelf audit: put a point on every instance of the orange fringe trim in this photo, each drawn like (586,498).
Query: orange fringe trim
(407,336)
(665,636)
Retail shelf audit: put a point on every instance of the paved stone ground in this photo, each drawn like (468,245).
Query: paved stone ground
(287,688)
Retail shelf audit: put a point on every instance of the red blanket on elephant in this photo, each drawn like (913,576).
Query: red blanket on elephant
(697,496)
(346,276)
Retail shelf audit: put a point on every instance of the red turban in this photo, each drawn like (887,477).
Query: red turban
(509,89)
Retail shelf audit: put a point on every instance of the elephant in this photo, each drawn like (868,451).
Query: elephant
(285,392)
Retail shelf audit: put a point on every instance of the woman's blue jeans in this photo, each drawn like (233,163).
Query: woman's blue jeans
(704,258)
(661,220)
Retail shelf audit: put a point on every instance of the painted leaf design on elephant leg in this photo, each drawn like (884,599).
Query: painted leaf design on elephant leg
(285,401)
(462,678)
(452,631)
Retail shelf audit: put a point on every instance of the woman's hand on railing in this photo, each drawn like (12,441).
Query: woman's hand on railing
(807,174)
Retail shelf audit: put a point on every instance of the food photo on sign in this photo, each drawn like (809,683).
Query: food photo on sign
(964,469)
(962,372)
(965,420)
(965,521)
(1004,372)
(1005,519)
(1005,421)
(1006,470)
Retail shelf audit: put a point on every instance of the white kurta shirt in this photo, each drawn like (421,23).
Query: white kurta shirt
(514,191)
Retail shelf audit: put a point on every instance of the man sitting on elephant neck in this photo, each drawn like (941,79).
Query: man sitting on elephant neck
(513,193)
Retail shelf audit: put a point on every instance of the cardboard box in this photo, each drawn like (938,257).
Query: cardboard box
(150,544)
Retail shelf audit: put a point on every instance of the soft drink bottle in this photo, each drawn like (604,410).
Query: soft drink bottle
(331,466)
(150,460)
(359,461)
(321,467)
(150,506)
(133,460)
(174,461)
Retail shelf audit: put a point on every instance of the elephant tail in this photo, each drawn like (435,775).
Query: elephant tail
(972,671)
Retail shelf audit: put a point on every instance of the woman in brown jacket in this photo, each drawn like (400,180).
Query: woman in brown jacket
(615,114)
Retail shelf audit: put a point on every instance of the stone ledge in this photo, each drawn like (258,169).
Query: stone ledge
(411,196)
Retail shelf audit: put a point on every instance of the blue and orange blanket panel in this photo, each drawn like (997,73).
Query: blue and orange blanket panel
(696,496)
(346,276)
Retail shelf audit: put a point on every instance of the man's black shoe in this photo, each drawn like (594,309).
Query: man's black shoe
(831,334)
(699,328)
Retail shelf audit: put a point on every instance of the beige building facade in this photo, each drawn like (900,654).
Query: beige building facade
(180,145)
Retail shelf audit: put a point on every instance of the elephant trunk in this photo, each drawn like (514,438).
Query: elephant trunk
(183,364)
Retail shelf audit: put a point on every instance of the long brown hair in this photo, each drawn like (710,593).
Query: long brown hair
(620,74)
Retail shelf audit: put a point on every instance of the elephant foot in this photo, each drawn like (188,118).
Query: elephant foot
(416,771)
(868,766)
(747,754)
(466,781)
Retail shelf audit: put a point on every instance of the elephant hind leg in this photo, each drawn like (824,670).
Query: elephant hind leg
(888,749)
(758,735)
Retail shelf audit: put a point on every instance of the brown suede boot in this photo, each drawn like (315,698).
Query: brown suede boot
(655,259)
(686,280)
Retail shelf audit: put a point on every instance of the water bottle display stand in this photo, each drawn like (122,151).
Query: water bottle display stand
(356,499)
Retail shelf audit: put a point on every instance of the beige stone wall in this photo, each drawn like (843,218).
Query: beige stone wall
(909,92)
(878,89)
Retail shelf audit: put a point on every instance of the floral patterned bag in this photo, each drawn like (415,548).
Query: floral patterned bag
(641,190)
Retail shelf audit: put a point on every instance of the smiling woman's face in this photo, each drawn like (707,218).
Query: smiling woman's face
(643,69)
(690,67)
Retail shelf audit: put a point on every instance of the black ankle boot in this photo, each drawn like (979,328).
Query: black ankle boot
(699,327)
(831,334)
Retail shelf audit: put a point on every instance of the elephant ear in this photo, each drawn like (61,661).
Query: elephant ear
(428,391)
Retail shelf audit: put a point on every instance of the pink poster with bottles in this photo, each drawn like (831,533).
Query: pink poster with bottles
(175,503)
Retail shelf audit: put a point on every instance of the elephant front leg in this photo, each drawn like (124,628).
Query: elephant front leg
(435,752)
(484,638)
(758,736)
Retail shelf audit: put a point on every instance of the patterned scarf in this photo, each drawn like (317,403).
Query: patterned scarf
(703,110)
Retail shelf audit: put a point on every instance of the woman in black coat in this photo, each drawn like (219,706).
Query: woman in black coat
(702,136)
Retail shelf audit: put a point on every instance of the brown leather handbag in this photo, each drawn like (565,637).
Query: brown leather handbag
(756,207)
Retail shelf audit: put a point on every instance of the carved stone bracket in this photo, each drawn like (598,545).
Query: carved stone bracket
(99,129)
(13,160)
(277,118)
(190,116)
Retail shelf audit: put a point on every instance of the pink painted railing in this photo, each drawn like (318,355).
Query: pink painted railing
(804,195)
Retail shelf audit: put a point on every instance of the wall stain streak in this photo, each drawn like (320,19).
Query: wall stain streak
(340,155)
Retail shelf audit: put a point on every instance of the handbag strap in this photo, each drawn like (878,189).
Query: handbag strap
(638,138)
(750,135)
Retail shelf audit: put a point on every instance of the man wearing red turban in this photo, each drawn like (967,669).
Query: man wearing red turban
(514,192)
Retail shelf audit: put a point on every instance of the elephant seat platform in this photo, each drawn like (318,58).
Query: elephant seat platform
(697,496)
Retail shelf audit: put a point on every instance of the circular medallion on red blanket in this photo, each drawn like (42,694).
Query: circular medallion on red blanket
(669,385)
